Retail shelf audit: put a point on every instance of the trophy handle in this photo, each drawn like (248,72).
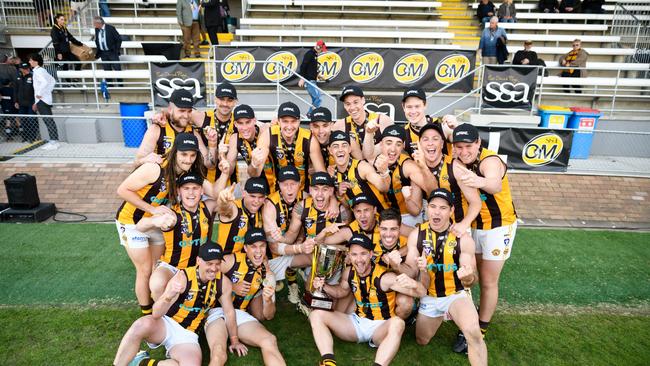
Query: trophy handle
(312,275)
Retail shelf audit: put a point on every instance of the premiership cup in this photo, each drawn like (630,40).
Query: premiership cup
(327,262)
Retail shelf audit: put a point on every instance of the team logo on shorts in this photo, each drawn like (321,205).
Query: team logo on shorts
(239,66)
(496,252)
(506,251)
(280,66)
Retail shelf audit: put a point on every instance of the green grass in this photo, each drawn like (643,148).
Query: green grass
(66,297)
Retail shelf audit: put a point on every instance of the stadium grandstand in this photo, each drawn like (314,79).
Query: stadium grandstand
(574,137)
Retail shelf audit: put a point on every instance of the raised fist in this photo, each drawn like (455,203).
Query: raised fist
(381,163)
(258,157)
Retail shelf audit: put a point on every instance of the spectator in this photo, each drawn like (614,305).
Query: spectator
(104,10)
(43,86)
(548,6)
(7,69)
(214,21)
(7,106)
(527,56)
(570,6)
(309,71)
(43,13)
(487,48)
(108,42)
(577,57)
(593,6)
(187,14)
(507,12)
(24,99)
(61,39)
(485,11)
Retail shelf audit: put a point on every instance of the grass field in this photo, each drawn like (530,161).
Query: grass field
(568,298)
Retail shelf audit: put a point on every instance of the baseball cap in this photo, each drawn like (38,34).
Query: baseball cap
(182,98)
(350,90)
(359,199)
(321,114)
(361,240)
(465,133)
(254,235)
(256,185)
(24,65)
(243,111)
(394,131)
(210,251)
(289,172)
(226,90)
(432,126)
(339,136)
(186,142)
(414,92)
(288,109)
(322,45)
(190,177)
(321,178)
(441,193)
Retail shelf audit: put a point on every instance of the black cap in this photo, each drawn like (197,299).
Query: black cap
(289,172)
(362,241)
(288,109)
(24,65)
(465,133)
(442,193)
(182,98)
(254,235)
(256,185)
(243,111)
(210,251)
(432,126)
(186,142)
(321,114)
(322,178)
(226,90)
(339,136)
(414,92)
(359,199)
(190,177)
(351,90)
(394,131)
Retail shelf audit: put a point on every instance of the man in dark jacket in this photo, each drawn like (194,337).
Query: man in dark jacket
(485,11)
(61,39)
(548,6)
(108,43)
(593,6)
(214,22)
(309,71)
(570,6)
(24,102)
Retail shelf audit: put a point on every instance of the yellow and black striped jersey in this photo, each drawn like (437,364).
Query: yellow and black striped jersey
(496,209)
(358,132)
(283,154)
(397,181)
(230,235)
(361,186)
(192,305)
(166,138)
(182,242)
(442,251)
(244,270)
(372,302)
(447,180)
(154,193)
(314,220)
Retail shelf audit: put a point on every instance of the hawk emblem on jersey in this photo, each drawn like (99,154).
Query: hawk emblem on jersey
(353,286)
(190,296)
(235,277)
(283,220)
(184,229)
(242,222)
(167,143)
(496,252)
(279,153)
(309,222)
(163,185)
(427,246)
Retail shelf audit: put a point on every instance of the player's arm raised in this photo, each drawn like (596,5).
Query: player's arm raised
(145,174)
(145,153)
(260,153)
(409,266)
(467,272)
(225,204)
(378,176)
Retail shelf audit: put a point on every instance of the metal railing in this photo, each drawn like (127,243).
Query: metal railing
(39,14)
(631,23)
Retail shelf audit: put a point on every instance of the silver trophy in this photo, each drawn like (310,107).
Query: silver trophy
(327,262)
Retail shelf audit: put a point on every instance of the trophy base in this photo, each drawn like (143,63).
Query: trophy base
(318,302)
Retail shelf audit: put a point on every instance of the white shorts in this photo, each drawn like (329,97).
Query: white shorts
(132,238)
(435,307)
(217,313)
(279,265)
(410,220)
(167,266)
(495,244)
(175,335)
(365,328)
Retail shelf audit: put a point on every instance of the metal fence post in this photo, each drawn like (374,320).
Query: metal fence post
(94,68)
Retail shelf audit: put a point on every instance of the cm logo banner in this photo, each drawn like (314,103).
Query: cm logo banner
(374,68)
(529,148)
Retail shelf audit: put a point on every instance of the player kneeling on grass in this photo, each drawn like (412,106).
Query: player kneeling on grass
(374,321)
(251,276)
(446,267)
(179,312)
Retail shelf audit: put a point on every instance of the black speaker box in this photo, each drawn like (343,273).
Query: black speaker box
(21,191)
(37,214)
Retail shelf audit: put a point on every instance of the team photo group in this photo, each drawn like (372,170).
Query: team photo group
(372,228)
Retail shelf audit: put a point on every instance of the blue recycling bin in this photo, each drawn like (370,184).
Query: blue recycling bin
(584,121)
(133,129)
(553,116)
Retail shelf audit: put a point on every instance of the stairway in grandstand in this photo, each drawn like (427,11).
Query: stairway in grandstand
(462,22)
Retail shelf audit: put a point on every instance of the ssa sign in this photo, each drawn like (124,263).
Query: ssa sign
(509,87)
(169,76)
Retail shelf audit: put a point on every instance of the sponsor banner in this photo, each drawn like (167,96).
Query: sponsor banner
(390,105)
(169,76)
(530,148)
(368,67)
(509,87)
